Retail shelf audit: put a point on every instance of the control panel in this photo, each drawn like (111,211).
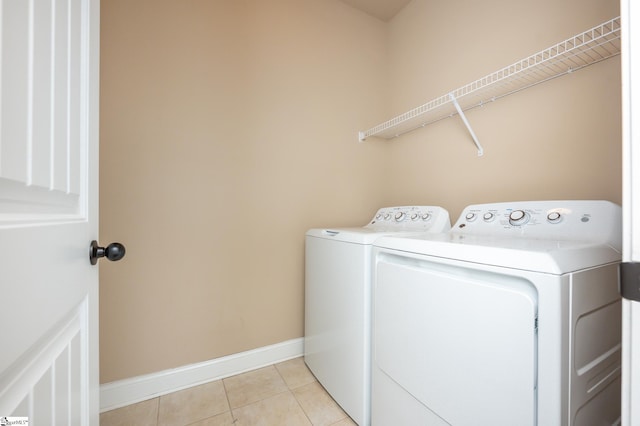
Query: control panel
(575,220)
(410,218)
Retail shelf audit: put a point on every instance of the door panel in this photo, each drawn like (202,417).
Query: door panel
(48,209)
(42,108)
(45,383)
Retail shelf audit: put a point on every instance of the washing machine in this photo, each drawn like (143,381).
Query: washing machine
(511,318)
(337,342)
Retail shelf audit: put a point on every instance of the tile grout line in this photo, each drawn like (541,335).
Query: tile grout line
(226,395)
(158,411)
(293,394)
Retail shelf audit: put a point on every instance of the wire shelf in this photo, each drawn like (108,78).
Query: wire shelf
(592,46)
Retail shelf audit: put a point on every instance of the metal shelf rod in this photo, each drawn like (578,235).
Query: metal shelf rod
(466,123)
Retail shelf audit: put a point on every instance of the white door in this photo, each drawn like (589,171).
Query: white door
(48,210)
(630,12)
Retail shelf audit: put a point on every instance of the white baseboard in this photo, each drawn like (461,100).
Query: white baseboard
(136,389)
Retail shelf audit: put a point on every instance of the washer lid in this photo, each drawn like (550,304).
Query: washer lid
(548,256)
(357,235)
(401,220)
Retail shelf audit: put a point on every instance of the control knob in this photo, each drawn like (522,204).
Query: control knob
(488,216)
(518,217)
(470,217)
(400,216)
(554,217)
(426,216)
(415,216)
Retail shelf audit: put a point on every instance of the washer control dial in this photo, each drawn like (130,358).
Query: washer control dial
(400,216)
(471,217)
(518,217)
(426,216)
(488,216)
(387,216)
(554,217)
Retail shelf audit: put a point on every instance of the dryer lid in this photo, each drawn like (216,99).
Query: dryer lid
(548,256)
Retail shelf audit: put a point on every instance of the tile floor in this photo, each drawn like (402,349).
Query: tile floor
(281,394)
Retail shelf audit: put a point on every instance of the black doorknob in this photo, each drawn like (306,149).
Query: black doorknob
(113,252)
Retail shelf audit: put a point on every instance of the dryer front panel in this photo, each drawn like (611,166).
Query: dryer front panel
(459,341)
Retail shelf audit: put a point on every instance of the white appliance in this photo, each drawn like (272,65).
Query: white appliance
(337,343)
(511,318)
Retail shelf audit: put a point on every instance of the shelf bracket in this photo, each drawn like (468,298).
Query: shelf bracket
(466,123)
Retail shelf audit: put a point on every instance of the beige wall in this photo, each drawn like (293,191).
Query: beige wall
(559,140)
(229,127)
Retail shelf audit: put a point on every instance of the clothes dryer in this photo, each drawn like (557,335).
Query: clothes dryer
(337,342)
(511,318)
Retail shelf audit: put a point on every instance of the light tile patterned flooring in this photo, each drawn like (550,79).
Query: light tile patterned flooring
(281,394)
